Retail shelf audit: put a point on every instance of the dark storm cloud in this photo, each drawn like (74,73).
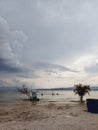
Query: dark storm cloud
(7,67)
(67,29)
(11,43)
(59,33)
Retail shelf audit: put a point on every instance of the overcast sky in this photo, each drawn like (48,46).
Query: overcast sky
(48,43)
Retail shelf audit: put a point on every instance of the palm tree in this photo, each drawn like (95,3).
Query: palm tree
(81,90)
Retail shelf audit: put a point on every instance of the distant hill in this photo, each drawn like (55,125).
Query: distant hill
(6,89)
(55,89)
(93,88)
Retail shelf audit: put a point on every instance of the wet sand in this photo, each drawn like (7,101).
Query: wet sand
(49,116)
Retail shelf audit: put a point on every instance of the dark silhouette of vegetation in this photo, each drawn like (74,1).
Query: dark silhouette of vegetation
(31,94)
(24,90)
(81,90)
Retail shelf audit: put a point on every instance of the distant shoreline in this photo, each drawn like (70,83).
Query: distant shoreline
(14,88)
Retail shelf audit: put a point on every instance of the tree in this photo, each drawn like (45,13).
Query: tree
(24,90)
(81,90)
(30,93)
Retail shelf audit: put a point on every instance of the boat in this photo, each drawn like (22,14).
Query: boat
(32,95)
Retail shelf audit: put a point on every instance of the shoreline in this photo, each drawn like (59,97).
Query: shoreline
(32,116)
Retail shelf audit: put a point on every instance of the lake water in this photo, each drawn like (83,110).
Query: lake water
(59,97)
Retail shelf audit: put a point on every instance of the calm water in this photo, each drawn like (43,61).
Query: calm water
(63,97)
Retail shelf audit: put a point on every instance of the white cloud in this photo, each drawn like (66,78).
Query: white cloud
(11,42)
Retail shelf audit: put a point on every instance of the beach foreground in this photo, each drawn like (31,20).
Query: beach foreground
(49,116)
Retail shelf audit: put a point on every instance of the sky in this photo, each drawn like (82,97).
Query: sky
(48,43)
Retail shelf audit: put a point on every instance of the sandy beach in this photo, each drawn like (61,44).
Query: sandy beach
(49,116)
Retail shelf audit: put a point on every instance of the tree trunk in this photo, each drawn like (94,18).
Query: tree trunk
(81,99)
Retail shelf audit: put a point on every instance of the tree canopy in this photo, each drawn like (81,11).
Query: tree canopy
(81,90)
